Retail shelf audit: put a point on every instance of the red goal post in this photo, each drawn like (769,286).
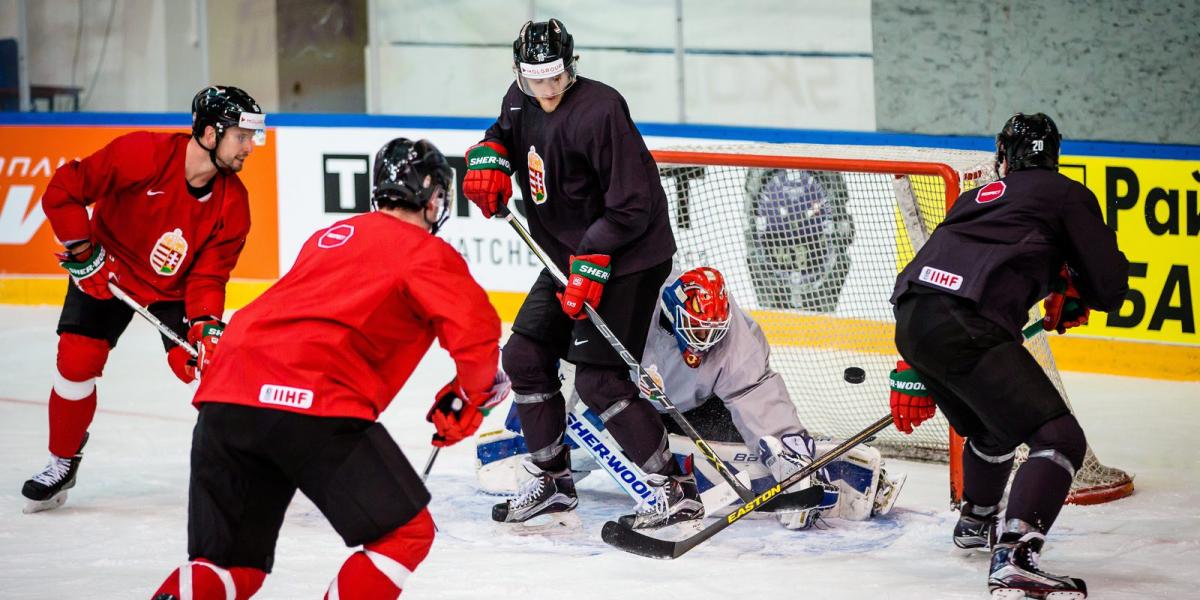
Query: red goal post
(810,238)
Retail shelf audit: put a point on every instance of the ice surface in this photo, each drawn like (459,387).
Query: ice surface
(124,527)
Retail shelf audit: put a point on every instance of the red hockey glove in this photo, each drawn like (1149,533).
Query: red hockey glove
(457,417)
(911,404)
(204,335)
(1064,308)
(585,284)
(182,364)
(90,268)
(488,182)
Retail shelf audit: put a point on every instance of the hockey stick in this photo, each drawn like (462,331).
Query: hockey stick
(657,395)
(634,542)
(142,310)
(429,463)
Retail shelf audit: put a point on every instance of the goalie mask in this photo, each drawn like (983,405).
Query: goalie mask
(222,107)
(544,59)
(410,175)
(697,307)
(1028,142)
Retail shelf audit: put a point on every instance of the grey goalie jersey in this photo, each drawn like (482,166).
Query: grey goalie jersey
(736,371)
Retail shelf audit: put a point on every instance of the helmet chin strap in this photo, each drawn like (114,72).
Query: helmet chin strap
(212,152)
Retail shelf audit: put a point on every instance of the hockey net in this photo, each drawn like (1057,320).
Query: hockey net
(810,239)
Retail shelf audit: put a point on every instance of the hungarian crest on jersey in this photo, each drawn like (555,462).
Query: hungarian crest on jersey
(537,176)
(169,252)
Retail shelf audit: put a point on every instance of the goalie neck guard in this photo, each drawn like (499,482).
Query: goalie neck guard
(697,307)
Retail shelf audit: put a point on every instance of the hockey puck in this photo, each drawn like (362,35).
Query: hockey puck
(855,375)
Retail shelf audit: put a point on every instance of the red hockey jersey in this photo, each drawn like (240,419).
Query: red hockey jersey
(342,331)
(167,244)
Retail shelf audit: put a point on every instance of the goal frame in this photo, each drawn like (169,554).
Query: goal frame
(950,177)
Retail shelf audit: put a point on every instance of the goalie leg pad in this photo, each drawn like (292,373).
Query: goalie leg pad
(856,475)
(380,569)
(203,580)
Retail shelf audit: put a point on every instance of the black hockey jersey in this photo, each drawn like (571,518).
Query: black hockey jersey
(589,182)
(1003,244)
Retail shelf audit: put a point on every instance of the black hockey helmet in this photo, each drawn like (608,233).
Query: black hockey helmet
(1028,142)
(222,107)
(544,50)
(410,174)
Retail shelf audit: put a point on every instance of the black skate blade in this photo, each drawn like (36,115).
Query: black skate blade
(635,542)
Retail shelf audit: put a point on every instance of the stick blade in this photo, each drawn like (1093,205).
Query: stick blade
(623,538)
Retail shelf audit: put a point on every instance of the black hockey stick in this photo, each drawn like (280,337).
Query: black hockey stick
(634,542)
(429,463)
(657,395)
(141,310)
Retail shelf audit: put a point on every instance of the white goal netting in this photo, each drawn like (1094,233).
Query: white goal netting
(810,239)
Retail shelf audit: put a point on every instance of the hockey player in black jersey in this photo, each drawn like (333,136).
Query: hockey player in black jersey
(960,307)
(595,204)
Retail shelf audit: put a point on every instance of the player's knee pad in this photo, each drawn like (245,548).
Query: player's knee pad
(80,361)
(631,419)
(1060,440)
(986,448)
(203,580)
(380,569)
(531,365)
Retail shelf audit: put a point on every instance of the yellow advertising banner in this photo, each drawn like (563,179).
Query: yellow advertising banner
(1154,207)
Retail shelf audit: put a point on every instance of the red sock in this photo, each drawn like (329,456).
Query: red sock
(69,420)
(73,400)
(378,571)
(202,580)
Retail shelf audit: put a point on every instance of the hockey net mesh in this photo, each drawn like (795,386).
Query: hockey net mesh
(810,239)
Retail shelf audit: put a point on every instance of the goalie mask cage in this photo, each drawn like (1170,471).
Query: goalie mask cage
(810,239)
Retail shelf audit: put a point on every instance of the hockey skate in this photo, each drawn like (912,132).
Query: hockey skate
(48,490)
(673,499)
(1015,574)
(545,502)
(889,490)
(976,528)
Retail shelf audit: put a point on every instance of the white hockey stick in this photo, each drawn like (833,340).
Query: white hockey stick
(141,310)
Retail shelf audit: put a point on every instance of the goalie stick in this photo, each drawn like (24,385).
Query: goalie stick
(657,395)
(634,542)
(141,310)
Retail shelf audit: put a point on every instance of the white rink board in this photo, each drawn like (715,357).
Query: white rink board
(496,257)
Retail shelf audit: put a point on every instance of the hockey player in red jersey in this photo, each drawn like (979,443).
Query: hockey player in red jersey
(292,396)
(169,219)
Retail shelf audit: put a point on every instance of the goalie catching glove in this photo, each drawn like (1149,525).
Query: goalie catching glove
(488,182)
(911,403)
(585,284)
(1064,308)
(90,268)
(456,416)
